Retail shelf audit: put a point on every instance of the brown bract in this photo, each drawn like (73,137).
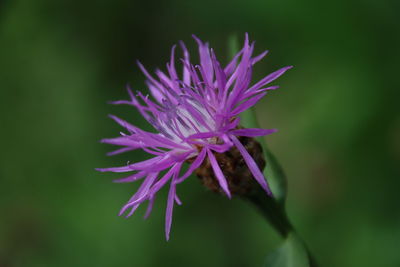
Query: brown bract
(240,180)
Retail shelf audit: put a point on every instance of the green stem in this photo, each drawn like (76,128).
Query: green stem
(272,211)
(275,214)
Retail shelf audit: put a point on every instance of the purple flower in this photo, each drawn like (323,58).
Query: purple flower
(195,115)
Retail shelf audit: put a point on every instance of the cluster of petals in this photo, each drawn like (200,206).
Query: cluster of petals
(195,114)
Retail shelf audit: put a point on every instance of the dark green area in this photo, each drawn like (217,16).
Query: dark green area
(337,113)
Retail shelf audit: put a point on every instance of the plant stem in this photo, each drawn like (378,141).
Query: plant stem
(272,211)
(275,214)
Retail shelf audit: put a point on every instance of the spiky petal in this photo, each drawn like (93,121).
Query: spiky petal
(194,116)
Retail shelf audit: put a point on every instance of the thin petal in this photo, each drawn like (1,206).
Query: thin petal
(203,135)
(160,183)
(178,200)
(151,79)
(156,92)
(122,141)
(119,151)
(252,132)
(252,165)
(134,166)
(149,207)
(219,74)
(205,60)
(218,173)
(186,70)
(270,78)
(247,104)
(124,124)
(170,205)
(222,148)
(230,68)
(140,195)
(131,178)
(254,92)
(259,57)
(196,163)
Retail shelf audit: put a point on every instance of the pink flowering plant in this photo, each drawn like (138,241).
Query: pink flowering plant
(196,118)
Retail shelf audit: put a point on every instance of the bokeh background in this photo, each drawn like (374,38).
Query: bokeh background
(337,113)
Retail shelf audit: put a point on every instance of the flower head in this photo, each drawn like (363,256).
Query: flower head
(196,118)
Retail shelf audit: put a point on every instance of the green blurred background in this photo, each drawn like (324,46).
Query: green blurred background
(337,114)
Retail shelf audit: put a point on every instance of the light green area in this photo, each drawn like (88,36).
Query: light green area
(290,254)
